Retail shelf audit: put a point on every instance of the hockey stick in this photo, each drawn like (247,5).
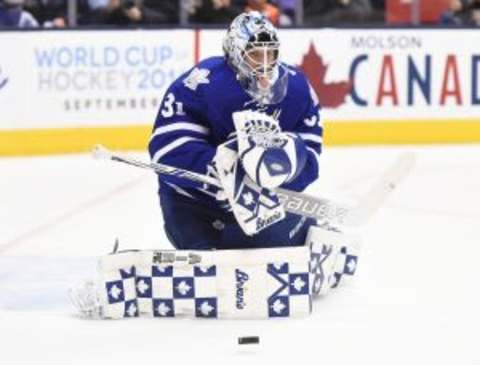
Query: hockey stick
(100,152)
(368,205)
(297,203)
(364,209)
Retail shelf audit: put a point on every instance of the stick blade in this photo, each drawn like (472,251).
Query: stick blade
(382,189)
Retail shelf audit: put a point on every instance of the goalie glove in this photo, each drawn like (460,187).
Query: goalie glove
(254,208)
(226,162)
(214,191)
(269,156)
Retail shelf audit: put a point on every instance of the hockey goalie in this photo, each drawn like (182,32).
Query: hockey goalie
(252,123)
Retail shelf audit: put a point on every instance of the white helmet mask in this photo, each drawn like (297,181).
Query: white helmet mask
(251,47)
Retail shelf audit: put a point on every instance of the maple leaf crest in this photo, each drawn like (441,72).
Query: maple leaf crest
(331,95)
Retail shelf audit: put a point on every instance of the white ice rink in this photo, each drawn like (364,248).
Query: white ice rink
(416,299)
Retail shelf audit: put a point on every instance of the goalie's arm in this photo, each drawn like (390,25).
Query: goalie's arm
(178,138)
(309,128)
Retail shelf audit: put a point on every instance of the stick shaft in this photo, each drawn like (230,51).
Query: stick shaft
(296,203)
(167,170)
(299,203)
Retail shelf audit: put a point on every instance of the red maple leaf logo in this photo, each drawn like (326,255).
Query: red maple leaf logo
(331,95)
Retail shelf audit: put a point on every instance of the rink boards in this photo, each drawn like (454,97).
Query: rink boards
(65,91)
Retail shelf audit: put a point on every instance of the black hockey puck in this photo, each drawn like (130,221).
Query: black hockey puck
(249,340)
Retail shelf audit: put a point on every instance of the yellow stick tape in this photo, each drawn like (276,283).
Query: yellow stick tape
(74,140)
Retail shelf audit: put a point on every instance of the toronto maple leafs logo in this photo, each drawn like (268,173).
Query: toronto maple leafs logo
(3,79)
(248,199)
(115,292)
(183,287)
(206,307)
(350,265)
(279,307)
(131,309)
(144,287)
(196,77)
(331,95)
(163,308)
(298,284)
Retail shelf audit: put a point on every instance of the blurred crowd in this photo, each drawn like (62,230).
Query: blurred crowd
(462,12)
(316,13)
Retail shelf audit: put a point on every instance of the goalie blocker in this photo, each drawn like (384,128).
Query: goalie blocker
(250,283)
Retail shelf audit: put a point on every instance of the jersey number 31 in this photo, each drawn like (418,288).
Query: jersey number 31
(171,107)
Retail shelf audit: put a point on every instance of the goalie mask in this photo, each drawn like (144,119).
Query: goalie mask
(251,48)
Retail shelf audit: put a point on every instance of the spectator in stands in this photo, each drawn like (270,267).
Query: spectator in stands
(262,6)
(457,13)
(169,9)
(475,13)
(378,11)
(51,13)
(287,10)
(378,4)
(328,12)
(214,11)
(12,14)
(121,12)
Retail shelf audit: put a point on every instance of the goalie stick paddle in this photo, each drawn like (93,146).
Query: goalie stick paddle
(298,203)
(369,204)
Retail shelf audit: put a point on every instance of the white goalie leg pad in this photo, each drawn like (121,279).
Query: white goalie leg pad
(253,283)
(117,284)
(250,283)
(334,258)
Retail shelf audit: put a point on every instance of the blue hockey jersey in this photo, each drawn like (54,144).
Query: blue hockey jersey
(195,117)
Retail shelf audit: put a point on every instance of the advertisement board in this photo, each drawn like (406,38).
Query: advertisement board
(373,74)
(62,91)
(88,78)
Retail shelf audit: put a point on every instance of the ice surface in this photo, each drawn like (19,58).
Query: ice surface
(416,299)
